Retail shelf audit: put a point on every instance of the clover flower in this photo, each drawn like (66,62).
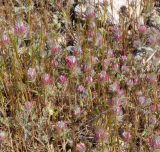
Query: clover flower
(47,79)
(71,61)
(31,73)
(104,76)
(63,79)
(80,147)
(20,28)
(101,134)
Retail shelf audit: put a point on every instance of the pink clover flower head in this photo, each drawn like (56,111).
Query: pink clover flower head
(104,76)
(56,49)
(61,126)
(90,12)
(63,79)
(47,79)
(86,68)
(142,100)
(80,147)
(89,79)
(155,142)
(101,134)
(28,105)
(136,80)
(121,92)
(110,53)
(31,73)
(81,89)
(142,29)
(114,29)
(4,40)
(77,51)
(130,82)
(54,63)
(125,135)
(118,37)
(20,28)
(153,121)
(71,61)
(119,110)
(124,58)
(117,34)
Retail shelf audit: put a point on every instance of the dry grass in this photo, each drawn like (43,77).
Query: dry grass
(93,97)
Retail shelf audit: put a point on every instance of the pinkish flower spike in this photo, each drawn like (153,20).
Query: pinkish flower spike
(101,135)
(121,92)
(56,49)
(28,105)
(47,79)
(61,127)
(81,147)
(104,76)
(61,124)
(90,13)
(81,89)
(142,100)
(71,61)
(124,58)
(155,142)
(54,64)
(130,82)
(20,28)
(142,29)
(119,110)
(31,73)
(89,79)
(125,135)
(4,40)
(63,79)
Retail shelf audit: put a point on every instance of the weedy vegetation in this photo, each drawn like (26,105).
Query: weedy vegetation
(79,76)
